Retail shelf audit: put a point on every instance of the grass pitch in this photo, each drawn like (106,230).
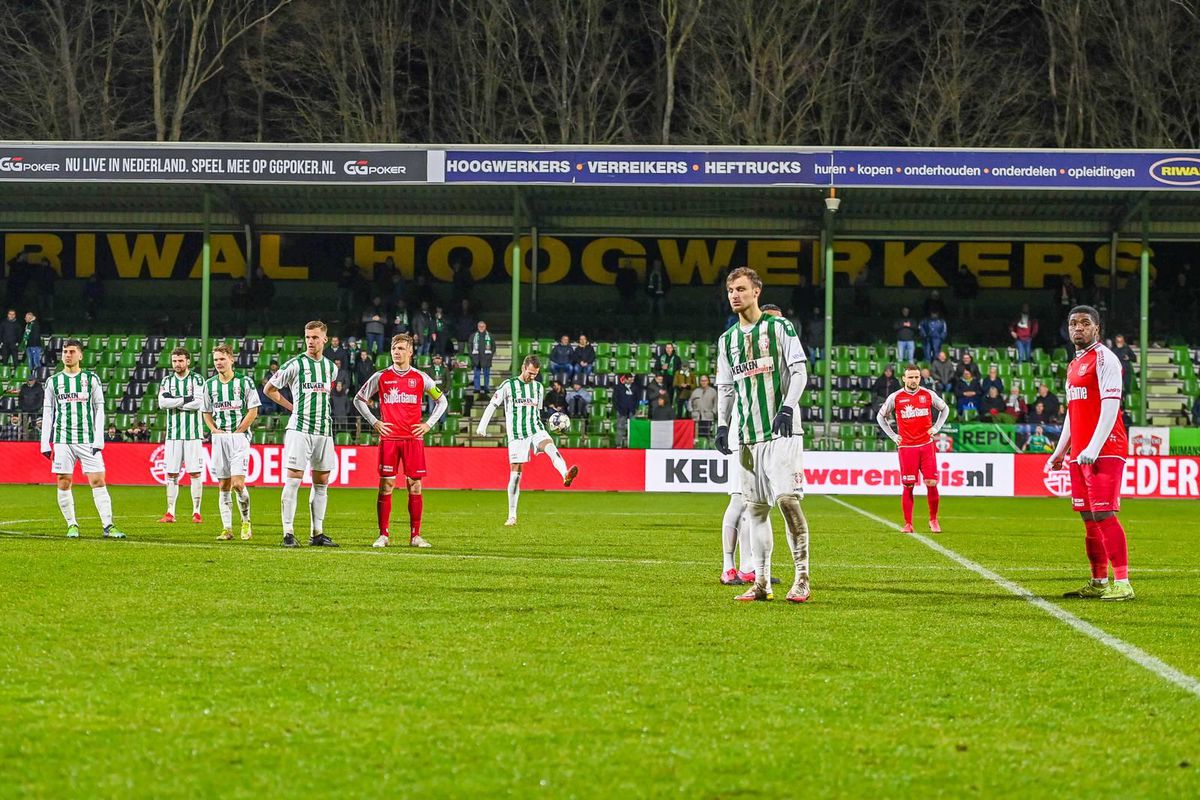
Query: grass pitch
(589,652)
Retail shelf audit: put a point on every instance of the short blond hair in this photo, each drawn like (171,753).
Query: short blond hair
(223,348)
(402,337)
(316,323)
(744,272)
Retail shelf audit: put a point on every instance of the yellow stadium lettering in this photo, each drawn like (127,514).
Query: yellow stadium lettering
(481,256)
(270,259)
(367,253)
(145,254)
(1045,258)
(1129,261)
(777,261)
(989,261)
(598,250)
(696,258)
(899,262)
(48,245)
(85,255)
(850,257)
(226,255)
(554,262)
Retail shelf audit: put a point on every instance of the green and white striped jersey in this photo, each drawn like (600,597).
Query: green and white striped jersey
(522,407)
(756,361)
(73,410)
(311,383)
(229,401)
(183,412)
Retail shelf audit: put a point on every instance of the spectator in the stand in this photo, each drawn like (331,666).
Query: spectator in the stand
(967,363)
(1065,298)
(943,372)
(31,340)
(583,359)
(626,282)
(666,364)
(992,404)
(20,270)
(1050,400)
(339,407)
(30,397)
(555,400)
(884,386)
(933,331)
(934,303)
(1016,407)
(1023,330)
(906,337)
(364,368)
(967,394)
(804,295)
(481,347)
(262,295)
(625,403)
(993,380)
(46,277)
(345,289)
(927,381)
(464,281)
(463,325)
(382,276)
(658,285)
(682,386)
(336,352)
(661,409)
(1183,301)
(12,430)
(10,338)
(815,333)
(111,434)
(578,399)
(561,367)
(140,432)
(375,331)
(269,406)
(401,323)
(93,298)
(862,293)
(1196,411)
(655,389)
(966,289)
(1037,414)
(422,328)
(1128,358)
(703,405)
(396,292)
(439,333)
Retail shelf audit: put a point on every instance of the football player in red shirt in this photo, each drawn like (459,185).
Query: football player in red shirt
(1095,435)
(401,390)
(913,407)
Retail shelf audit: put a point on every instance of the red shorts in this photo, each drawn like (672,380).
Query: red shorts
(1097,487)
(406,453)
(921,459)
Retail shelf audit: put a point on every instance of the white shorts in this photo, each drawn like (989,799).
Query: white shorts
(65,456)
(301,450)
(771,470)
(519,449)
(230,455)
(186,455)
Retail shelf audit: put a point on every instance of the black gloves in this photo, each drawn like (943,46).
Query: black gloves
(782,424)
(722,442)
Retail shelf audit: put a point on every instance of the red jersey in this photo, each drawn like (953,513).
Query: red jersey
(914,415)
(1094,375)
(401,398)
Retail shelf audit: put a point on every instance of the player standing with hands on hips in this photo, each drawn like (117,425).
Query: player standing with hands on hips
(1095,435)
(230,405)
(913,406)
(761,370)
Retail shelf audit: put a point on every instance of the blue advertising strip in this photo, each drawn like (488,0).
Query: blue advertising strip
(639,168)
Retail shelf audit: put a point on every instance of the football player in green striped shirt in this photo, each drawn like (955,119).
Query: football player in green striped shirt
(73,432)
(308,442)
(230,405)
(761,372)
(522,398)
(179,395)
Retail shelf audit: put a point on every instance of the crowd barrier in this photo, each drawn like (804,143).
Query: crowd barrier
(961,474)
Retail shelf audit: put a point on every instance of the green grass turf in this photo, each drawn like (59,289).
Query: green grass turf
(590,652)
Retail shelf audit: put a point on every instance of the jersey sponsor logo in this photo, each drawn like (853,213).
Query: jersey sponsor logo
(757,366)
(1076,393)
(526,402)
(912,412)
(315,386)
(73,397)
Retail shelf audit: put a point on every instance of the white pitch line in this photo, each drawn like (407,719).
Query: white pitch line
(1135,654)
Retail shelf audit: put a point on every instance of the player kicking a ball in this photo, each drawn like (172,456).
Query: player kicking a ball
(912,406)
(230,405)
(179,396)
(522,398)
(1095,435)
(401,390)
(761,370)
(309,438)
(73,431)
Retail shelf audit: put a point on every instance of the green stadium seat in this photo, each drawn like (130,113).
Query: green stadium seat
(342,438)
(447,438)
(597,441)
(623,350)
(603,349)
(574,440)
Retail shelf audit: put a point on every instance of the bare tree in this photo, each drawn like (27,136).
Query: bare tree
(671,24)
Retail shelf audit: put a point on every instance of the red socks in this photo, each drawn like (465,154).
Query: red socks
(1115,545)
(416,504)
(1097,554)
(906,502)
(935,497)
(383,508)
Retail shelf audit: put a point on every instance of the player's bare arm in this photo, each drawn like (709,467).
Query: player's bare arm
(276,397)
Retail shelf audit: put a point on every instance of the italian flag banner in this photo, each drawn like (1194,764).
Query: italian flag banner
(670,434)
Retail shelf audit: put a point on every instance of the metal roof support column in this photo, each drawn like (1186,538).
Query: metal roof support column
(827,252)
(516,279)
(205,283)
(1114,242)
(1144,329)
(533,253)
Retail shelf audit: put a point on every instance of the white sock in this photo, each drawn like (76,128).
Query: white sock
(317,500)
(746,542)
(557,460)
(729,530)
(797,535)
(291,493)
(172,494)
(197,494)
(103,504)
(66,504)
(243,501)
(226,506)
(758,518)
(514,492)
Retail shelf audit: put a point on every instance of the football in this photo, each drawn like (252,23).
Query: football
(558,422)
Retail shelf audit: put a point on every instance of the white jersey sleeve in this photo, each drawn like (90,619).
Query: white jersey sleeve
(287,376)
(1108,374)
